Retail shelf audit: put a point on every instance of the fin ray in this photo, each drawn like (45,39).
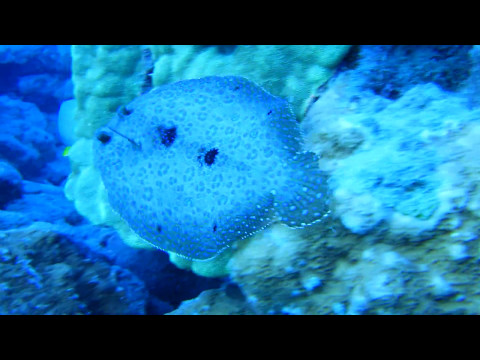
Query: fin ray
(307,198)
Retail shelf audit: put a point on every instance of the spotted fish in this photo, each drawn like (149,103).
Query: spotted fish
(196,165)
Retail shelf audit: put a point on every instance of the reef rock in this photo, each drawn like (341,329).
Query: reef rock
(42,272)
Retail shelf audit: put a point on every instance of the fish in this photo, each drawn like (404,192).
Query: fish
(66,151)
(195,166)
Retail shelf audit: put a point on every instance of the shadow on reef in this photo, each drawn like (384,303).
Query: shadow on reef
(168,286)
(223,49)
(38,74)
(391,70)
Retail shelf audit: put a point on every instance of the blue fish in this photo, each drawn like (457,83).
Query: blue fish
(199,164)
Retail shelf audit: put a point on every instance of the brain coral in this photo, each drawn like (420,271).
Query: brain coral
(108,76)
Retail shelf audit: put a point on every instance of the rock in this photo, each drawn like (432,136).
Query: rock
(25,158)
(44,202)
(18,116)
(13,220)
(24,139)
(38,73)
(42,272)
(214,302)
(47,91)
(10,184)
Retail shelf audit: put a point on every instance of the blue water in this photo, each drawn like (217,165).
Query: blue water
(396,132)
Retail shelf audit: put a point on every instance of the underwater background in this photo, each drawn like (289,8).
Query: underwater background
(393,131)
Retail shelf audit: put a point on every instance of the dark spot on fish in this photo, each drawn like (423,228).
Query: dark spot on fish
(104,138)
(159,229)
(167,135)
(210,157)
(236,88)
(103,243)
(215,228)
(270,112)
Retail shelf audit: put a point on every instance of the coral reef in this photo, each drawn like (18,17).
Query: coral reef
(108,76)
(34,281)
(391,169)
(293,72)
(10,184)
(35,216)
(105,77)
(227,300)
(25,140)
(100,87)
(38,74)
(391,70)
(403,234)
(396,130)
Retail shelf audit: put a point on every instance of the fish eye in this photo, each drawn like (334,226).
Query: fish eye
(104,138)
(123,111)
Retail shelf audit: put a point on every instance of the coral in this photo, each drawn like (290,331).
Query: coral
(293,72)
(402,237)
(35,281)
(280,268)
(472,88)
(20,116)
(213,268)
(391,70)
(108,76)
(10,184)
(37,73)
(393,173)
(76,264)
(42,202)
(13,219)
(25,141)
(105,77)
(225,301)
(46,90)
(37,58)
